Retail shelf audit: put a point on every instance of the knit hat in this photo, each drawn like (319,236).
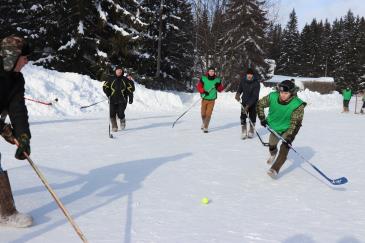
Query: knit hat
(118,67)
(211,68)
(249,71)
(286,86)
(11,48)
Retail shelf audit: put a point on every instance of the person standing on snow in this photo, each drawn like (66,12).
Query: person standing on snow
(208,86)
(120,92)
(363,104)
(347,94)
(285,117)
(14,53)
(248,94)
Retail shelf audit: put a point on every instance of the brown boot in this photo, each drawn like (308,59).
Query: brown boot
(9,216)
(114,123)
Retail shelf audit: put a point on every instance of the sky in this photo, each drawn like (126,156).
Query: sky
(306,10)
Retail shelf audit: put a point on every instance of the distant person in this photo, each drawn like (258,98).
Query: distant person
(208,86)
(362,111)
(248,94)
(119,90)
(285,117)
(346,94)
(14,52)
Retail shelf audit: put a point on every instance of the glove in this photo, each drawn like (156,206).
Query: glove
(7,133)
(237,97)
(130,99)
(216,85)
(24,146)
(263,122)
(206,93)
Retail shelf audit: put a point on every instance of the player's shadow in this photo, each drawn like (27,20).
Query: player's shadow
(101,184)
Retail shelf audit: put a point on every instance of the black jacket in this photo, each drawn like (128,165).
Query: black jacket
(12,101)
(249,91)
(115,89)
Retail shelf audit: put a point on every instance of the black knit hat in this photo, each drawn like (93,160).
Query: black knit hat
(286,86)
(118,67)
(249,71)
(211,68)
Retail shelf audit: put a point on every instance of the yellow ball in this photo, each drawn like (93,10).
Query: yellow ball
(205,200)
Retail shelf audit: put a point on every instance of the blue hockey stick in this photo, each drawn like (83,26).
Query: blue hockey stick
(335,182)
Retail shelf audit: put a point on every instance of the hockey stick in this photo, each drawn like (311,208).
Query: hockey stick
(110,135)
(41,102)
(251,123)
(54,195)
(335,182)
(86,106)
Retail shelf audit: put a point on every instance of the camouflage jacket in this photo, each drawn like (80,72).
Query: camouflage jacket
(295,121)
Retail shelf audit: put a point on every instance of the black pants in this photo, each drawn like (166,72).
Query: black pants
(251,113)
(363,105)
(117,109)
(346,103)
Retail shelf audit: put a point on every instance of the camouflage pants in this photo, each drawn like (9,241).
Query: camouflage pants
(283,152)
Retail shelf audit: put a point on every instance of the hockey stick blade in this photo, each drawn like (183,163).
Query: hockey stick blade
(339,181)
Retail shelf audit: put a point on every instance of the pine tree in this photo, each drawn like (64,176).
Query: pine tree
(360,57)
(288,63)
(274,41)
(177,44)
(244,42)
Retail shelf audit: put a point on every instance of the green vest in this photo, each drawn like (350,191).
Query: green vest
(346,94)
(209,86)
(280,115)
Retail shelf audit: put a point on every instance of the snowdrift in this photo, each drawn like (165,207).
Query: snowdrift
(74,90)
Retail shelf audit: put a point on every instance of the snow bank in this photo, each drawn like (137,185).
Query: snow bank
(75,90)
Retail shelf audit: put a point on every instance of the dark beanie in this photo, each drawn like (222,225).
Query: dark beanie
(118,67)
(249,71)
(287,86)
(211,68)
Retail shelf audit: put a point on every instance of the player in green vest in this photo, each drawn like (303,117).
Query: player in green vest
(346,94)
(285,117)
(208,86)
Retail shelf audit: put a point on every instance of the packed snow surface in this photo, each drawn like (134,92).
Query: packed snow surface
(146,184)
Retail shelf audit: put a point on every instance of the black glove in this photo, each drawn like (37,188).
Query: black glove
(206,93)
(7,133)
(263,122)
(24,146)
(130,99)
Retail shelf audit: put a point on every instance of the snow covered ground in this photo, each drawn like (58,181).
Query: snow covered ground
(146,184)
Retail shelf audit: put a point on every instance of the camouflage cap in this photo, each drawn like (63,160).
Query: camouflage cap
(11,48)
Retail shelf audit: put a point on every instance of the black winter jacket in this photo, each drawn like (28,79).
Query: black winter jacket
(249,91)
(12,101)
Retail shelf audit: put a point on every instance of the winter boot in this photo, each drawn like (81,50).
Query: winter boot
(251,131)
(271,159)
(203,121)
(122,124)
(9,216)
(206,124)
(244,131)
(113,120)
(272,173)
